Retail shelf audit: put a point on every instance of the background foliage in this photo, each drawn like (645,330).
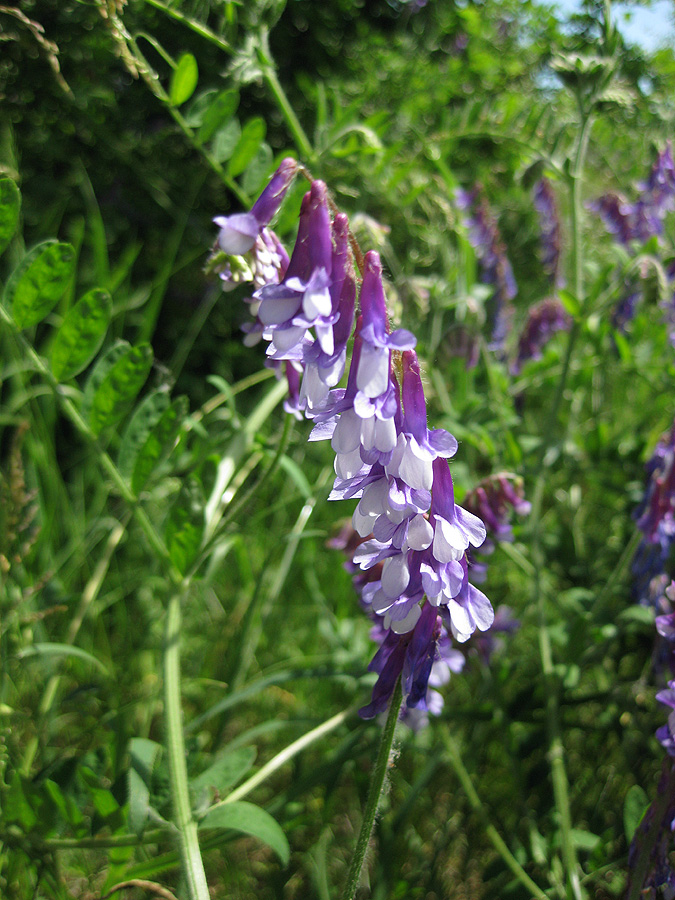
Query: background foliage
(401,105)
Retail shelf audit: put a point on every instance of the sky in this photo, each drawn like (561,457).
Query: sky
(650,28)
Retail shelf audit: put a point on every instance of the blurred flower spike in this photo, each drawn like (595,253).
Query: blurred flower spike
(484,237)
(414,538)
(656,520)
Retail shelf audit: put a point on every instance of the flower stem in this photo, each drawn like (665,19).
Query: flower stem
(556,747)
(455,757)
(269,74)
(191,859)
(374,794)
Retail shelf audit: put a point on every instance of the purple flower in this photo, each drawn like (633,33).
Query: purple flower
(238,232)
(643,219)
(549,221)
(659,879)
(543,320)
(656,518)
(496,269)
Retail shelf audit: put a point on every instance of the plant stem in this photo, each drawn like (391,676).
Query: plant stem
(455,757)
(556,747)
(374,794)
(191,859)
(198,27)
(283,757)
(270,76)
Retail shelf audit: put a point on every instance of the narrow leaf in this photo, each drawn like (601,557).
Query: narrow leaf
(10,206)
(184,79)
(220,110)
(51,649)
(225,141)
(123,376)
(226,771)
(635,806)
(570,302)
(258,169)
(159,443)
(249,819)
(252,136)
(144,754)
(39,281)
(184,528)
(144,419)
(81,334)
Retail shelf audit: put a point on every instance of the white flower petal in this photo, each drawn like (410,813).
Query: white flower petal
(395,575)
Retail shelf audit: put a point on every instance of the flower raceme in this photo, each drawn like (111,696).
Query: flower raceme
(414,537)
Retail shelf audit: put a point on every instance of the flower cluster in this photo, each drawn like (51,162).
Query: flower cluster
(635,223)
(659,880)
(491,500)
(656,519)
(386,456)
(543,320)
(496,269)
(643,219)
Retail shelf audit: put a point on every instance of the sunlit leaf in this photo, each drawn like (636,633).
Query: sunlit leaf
(184,79)
(252,135)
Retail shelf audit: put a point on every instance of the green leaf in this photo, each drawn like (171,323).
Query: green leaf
(184,79)
(249,819)
(257,171)
(116,380)
(144,754)
(39,281)
(159,443)
(226,771)
(139,429)
(184,527)
(81,334)
(10,207)
(252,136)
(225,141)
(16,806)
(635,806)
(570,302)
(64,803)
(220,110)
(50,649)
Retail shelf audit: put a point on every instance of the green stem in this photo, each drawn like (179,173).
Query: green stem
(198,27)
(283,757)
(556,747)
(138,65)
(617,572)
(455,757)
(191,859)
(374,794)
(269,74)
